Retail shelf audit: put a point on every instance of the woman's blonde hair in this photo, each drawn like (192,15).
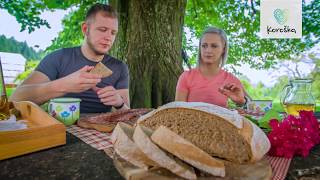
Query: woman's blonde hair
(223,36)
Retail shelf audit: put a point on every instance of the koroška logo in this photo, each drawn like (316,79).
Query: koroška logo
(281,16)
(281,19)
(285,29)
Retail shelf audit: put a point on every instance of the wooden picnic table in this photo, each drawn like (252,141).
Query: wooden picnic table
(78,160)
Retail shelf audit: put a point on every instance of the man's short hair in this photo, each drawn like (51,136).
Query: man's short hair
(106,9)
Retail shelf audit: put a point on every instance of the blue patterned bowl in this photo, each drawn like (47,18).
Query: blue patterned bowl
(66,110)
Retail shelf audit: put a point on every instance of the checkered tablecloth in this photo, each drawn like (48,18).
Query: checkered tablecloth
(96,139)
(102,141)
(279,167)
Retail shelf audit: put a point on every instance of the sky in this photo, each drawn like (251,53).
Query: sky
(43,36)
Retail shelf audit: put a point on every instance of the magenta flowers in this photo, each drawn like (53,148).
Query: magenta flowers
(294,135)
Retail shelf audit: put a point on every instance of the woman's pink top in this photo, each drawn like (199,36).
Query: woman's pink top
(202,89)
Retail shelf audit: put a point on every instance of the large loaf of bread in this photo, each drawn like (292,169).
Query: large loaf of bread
(218,131)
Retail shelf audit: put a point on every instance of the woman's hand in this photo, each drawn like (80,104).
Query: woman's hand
(234,92)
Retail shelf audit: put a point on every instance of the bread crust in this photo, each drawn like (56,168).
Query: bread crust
(102,70)
(142,139)
(127,149)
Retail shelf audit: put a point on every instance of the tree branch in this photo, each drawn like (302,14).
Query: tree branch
(252,7)
(194,8)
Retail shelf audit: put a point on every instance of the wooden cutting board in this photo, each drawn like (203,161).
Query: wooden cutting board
(110,119)
(106,127)
(259,170)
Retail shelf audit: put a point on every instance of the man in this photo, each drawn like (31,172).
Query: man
(65,73)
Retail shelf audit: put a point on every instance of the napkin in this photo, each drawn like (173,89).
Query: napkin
(12,124)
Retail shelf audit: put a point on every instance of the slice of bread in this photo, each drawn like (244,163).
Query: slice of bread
(217,131)
(188,152)
(141,137)
(127,149)
(101,69)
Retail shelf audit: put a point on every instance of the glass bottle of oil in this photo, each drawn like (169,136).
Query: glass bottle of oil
(4,104)
(297,96)
(4,108)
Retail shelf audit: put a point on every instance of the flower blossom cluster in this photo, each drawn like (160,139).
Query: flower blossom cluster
(295,135)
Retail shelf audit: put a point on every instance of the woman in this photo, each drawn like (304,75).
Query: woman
(208,82)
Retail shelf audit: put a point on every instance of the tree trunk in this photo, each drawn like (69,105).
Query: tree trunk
(150,41)
(119,48)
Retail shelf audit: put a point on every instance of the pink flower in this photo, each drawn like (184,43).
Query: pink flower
(294,135)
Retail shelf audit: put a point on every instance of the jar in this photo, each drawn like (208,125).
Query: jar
(297,96)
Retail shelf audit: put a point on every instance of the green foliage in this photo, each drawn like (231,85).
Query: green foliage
(260,92)
(271,114)
(276,105)
(30,19)
(311,19)
(315,75)
(276,91)
(30,66)
(10,91)
(71,35)
(241,19)
(14,46)
(26,12)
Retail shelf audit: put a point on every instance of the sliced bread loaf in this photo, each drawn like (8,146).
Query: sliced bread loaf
(141,137)
(188,152)
(127,149)
(216,130)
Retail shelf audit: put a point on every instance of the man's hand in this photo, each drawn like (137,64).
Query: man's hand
(80,80)
(109,96)
(234,92)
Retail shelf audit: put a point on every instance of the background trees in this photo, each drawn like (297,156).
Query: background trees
(12,45)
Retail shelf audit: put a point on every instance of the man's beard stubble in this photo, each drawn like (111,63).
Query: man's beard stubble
(91,45)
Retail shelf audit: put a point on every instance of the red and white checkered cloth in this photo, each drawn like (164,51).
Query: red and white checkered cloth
(100,141)
(279,167)
(96,139)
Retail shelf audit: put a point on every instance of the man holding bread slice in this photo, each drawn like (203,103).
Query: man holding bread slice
(86,72)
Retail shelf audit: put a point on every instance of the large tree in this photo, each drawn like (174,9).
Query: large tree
(149,41)
(151,33)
